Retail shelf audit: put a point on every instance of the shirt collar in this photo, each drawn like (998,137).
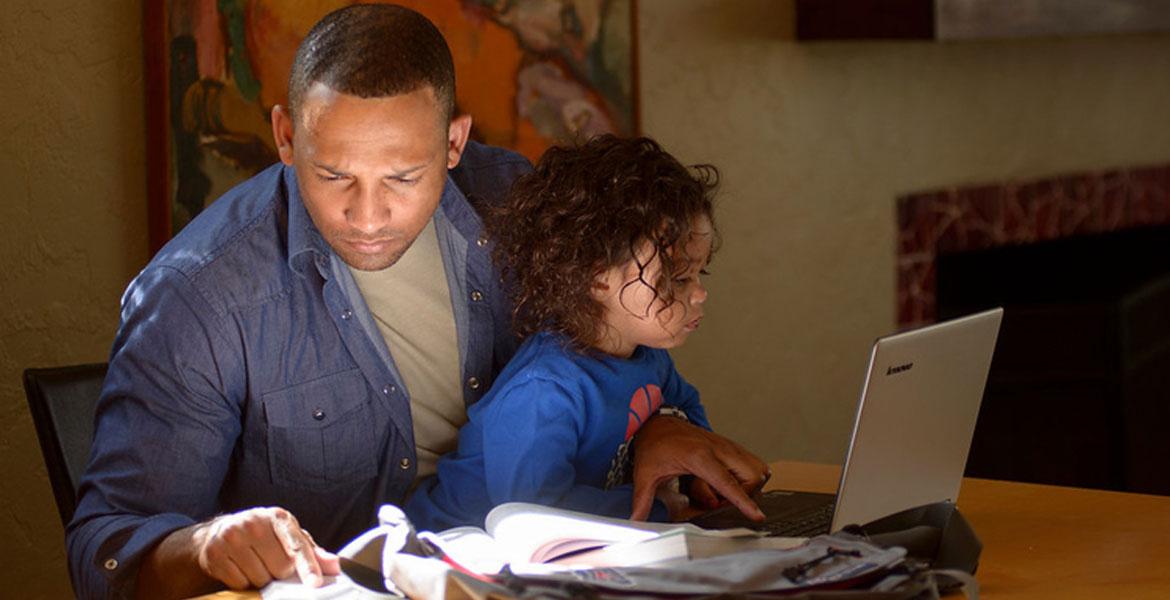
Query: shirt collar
(306,246)
(459,211)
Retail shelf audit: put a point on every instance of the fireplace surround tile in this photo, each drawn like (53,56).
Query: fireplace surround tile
(985,216)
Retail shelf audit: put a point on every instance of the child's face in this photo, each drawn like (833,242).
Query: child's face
(635,316)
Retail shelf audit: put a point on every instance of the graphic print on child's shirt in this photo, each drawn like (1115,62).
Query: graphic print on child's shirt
(645,401)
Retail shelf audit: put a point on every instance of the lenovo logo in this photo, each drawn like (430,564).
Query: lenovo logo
(899,368)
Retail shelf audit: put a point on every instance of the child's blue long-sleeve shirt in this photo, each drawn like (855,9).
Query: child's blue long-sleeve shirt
(553,430)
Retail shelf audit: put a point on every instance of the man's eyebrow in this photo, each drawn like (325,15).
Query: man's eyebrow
(340,173)
(332,170)
(409,170)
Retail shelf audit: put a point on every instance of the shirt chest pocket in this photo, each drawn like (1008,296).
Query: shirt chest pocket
(321,433)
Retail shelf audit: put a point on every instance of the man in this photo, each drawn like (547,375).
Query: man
(308,345)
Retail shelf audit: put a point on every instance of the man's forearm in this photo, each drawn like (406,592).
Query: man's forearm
(171,569)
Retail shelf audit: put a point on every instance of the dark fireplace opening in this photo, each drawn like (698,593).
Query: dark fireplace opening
(1079,389)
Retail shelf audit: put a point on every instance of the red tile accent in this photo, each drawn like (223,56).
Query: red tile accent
(986,216)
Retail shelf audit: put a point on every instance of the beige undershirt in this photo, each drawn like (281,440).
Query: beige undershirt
(411,303)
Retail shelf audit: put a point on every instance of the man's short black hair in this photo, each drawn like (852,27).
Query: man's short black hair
(374,51)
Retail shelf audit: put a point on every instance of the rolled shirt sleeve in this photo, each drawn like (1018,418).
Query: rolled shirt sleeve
(165,430)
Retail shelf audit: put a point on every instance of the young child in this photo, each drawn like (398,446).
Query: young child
(603,246)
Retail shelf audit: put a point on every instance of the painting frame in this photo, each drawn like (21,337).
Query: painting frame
(162,105)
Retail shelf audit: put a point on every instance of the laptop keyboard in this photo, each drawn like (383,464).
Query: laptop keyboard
(808,524)
(789,514)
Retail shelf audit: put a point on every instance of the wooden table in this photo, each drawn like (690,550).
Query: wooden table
(1039,541)
(1042,541)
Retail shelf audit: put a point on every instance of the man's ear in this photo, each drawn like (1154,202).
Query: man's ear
(457,134)
(282,133)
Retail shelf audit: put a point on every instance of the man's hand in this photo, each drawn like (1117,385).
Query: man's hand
(251,548)
(242,550)
(678,506)
(667,447)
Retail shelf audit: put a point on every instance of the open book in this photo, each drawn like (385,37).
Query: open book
(534,538)
(529,539)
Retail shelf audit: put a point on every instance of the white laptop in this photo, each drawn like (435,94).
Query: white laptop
(910,437)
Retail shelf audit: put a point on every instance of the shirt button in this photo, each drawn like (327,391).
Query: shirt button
(346,314)
(482,241)
(404,464)
(389,389)
(318,414)
(476,296)
(473,383)
(111,564)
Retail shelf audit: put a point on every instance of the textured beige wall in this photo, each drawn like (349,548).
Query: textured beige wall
(72,234)
(815,141)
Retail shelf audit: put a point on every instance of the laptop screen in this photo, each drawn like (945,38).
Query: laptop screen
(916,418)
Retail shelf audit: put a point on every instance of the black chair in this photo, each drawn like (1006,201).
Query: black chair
(62,401)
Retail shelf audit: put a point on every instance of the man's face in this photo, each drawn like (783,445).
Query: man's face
(371,171)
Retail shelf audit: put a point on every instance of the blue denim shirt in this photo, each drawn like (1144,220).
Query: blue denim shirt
(247,372)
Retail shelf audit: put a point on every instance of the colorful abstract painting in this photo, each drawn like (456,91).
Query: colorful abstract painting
(530,72)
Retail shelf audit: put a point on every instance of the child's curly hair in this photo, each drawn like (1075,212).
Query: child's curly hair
(586,209)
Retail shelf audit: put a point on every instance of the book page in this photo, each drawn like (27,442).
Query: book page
(335,588)
(672,546)
(293,589)
(531,533)
(469,547)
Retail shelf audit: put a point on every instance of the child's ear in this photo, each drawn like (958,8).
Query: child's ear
(601,285)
